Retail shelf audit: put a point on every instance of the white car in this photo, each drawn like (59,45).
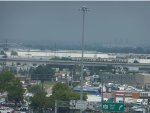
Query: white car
(6,110)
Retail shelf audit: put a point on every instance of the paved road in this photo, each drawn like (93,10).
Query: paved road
(70,62)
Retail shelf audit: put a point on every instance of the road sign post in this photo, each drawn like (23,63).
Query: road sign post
(112,107)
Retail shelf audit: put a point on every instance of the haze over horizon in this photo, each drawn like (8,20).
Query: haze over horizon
(106,23)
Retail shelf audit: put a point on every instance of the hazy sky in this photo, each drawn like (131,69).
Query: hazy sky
(125,23)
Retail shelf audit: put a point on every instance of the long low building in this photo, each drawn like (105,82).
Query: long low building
(139,80)
(60,53)
(89,90)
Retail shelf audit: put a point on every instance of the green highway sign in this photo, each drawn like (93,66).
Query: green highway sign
(116,107)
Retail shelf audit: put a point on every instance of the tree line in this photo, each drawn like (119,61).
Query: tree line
(12,86)
(40,101)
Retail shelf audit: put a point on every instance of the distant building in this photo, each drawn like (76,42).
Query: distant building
(126,96)
(139,80)
(89,90)
(118,78)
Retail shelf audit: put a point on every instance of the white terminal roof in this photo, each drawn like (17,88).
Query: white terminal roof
(93,98)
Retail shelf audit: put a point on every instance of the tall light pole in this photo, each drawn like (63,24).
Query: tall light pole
(84,10)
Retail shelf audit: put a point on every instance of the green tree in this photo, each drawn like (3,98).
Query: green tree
(12,85)
(5,80)
(62,91)
(43,73)
(15,91)
(14,53)
(2,52)
(39,100)
(34,89)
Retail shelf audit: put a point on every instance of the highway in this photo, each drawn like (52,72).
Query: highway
(72,62)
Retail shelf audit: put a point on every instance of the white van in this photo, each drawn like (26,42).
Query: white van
(139,101)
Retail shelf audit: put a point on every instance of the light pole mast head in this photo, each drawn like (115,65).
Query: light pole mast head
(84,9)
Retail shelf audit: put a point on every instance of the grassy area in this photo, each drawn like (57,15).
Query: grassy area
(48,84)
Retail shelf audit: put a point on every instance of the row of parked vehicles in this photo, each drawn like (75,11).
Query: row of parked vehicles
(6,110)
(11,108)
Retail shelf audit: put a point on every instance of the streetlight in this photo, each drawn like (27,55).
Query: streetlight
(84,10)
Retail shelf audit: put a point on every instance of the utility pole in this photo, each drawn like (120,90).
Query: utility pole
(56,105)
(84,10)
(55,50)
(72,79)
(102,88)
(5,55)
(27,63)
